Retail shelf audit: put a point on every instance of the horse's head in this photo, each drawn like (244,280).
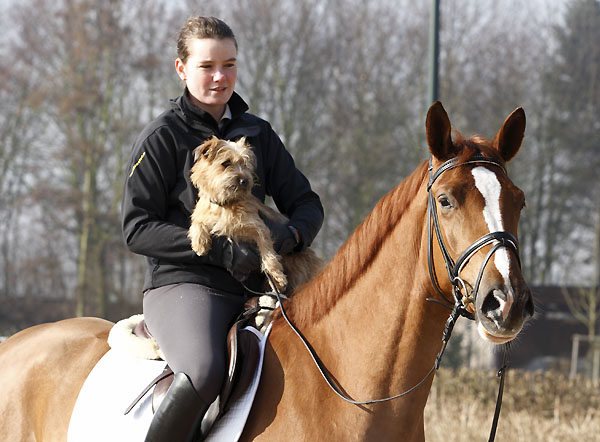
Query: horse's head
(475,209)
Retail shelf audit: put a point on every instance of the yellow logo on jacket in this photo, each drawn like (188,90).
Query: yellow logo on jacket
(137,163)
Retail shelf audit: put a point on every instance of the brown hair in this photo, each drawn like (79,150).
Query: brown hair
(201,27)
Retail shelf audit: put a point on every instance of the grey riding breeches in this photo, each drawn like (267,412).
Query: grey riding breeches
(190,323)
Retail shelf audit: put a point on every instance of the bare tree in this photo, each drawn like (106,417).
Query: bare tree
(342,81)
(568,190)
(17,129)
(93,83)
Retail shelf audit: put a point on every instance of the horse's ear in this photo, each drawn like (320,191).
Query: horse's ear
(438,130)
(509,138)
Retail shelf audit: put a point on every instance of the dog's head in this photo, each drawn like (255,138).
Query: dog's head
(223,170)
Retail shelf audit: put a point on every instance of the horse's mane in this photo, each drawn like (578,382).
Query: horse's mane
(316,298)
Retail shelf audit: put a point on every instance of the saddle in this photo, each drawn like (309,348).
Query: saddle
(244,353)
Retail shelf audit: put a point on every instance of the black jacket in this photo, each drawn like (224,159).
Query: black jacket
(158,197)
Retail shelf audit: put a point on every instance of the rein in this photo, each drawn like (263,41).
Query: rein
(498,240)
(323,370)
(458,307)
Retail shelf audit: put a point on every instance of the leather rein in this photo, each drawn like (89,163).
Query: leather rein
(461,301)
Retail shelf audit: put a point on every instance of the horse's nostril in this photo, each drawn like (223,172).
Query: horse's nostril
(529,308)
(490,304)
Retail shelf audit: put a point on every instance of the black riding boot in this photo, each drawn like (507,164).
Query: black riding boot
(179,414)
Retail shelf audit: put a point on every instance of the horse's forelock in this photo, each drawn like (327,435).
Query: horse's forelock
(316,298)
(466,148)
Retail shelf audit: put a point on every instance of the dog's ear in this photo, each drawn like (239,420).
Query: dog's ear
(239,145)
(247,153)
(207,149)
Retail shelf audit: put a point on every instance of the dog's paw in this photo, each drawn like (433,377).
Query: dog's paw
(201,242)
(197,247)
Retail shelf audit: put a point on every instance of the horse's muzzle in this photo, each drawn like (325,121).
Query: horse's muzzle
(502,311)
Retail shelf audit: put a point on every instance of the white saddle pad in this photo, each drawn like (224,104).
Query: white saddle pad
(115,382)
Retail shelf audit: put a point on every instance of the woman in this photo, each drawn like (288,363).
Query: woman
(190,301)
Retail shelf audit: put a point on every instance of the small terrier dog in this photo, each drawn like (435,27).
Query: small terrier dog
(223,173)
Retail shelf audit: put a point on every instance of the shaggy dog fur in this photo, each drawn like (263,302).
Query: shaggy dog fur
(223,173)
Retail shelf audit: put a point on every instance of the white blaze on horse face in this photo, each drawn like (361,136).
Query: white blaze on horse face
(487,183)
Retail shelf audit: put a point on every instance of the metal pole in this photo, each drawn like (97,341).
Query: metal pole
(434,50)
(574,356)
(595,362)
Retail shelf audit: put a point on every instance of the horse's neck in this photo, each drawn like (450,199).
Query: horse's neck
(383,329)
(379,339)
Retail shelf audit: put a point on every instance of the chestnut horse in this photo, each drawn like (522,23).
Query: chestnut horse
(367,314)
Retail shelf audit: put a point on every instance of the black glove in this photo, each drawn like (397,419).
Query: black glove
(239,258)
(284,239)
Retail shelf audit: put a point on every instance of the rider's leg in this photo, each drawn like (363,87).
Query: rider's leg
(190,323)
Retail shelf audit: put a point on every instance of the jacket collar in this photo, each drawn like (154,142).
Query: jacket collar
(200,119)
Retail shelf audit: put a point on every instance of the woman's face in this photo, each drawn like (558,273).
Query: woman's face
(210,73)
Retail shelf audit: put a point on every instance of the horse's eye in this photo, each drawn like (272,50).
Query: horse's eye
(226,163)
(444,202)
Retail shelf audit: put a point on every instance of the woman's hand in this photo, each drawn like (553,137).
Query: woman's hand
(239,258)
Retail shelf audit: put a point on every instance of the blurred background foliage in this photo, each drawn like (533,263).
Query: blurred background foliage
(344,82)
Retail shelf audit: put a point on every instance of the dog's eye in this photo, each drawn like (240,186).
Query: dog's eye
(226,163)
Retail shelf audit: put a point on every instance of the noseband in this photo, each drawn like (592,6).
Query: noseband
(498,239)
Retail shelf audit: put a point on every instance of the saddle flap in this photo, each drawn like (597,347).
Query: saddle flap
(242,367)
(244,353)
(161,387)
(232,351)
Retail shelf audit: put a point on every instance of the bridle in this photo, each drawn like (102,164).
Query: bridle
(498,240)
(461,302)
(459,306)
